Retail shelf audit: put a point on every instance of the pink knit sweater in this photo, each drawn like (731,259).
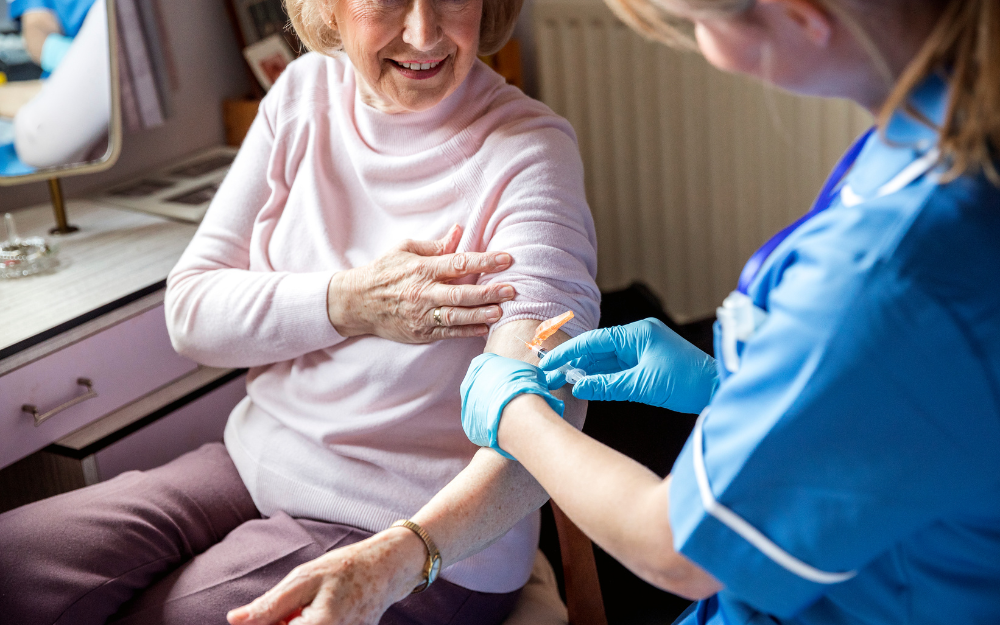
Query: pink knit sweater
(365,431)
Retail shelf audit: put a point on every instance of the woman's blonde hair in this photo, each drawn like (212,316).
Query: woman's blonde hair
(964,45)
(311,20)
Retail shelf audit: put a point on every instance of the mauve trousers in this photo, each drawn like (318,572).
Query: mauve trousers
(180,544)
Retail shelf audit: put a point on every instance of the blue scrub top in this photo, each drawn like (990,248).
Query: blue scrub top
(70,13)
(862,430)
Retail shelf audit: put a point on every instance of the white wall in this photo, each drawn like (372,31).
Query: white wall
(210,68)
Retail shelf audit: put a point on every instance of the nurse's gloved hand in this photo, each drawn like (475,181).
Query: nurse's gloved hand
(491,382)
(644,362)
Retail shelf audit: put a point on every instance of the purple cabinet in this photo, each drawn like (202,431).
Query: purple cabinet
(98,400)
(122,363)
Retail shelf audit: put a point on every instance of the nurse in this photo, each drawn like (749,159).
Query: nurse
(49,27)
(845,467)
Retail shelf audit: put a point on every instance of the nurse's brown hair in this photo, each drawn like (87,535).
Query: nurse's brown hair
(311,20)
(964,46)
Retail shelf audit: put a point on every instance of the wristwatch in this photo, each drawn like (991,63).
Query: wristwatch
(433,564)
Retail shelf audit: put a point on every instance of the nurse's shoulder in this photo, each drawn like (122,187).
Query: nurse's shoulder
(952,246)
(952,251)
(898,226)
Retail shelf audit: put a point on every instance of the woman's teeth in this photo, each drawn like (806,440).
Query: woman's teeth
(419,65)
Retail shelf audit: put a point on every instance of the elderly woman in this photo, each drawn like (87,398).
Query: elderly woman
(356,345)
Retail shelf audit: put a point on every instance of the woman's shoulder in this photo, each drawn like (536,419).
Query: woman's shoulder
(505,114)
(305,86)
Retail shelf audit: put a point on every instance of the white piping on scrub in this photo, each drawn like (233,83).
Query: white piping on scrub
(902,180)
(751,534)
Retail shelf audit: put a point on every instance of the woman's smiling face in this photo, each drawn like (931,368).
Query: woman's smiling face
(409,54)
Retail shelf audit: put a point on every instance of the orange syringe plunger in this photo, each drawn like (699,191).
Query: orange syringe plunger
(545,330)
(549,327)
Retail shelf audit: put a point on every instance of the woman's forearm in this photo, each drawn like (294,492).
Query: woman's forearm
(479,506)
(621,505)
(493,493)
(228,317)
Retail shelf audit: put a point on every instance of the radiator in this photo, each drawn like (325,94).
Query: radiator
(688,170)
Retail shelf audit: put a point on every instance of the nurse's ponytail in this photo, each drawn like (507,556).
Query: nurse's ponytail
(965,48)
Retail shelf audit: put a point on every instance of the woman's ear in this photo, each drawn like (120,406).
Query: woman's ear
(808,17)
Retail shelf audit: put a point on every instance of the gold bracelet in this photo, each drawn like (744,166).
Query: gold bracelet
(433,565)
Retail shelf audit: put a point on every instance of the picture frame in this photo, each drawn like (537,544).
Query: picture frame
(257,20)
(268,58)
(254,21)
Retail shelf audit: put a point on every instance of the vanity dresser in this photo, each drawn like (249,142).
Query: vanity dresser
(89,383)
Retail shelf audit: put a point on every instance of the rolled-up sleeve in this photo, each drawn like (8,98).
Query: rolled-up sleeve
(542,219)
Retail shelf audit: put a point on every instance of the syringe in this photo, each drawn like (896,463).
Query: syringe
(573,375)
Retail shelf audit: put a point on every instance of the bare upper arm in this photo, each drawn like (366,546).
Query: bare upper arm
(507,340)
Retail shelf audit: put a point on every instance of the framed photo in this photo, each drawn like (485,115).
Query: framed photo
(268,58)
(259,19)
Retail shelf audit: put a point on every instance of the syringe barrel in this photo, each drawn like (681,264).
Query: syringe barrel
(573,375)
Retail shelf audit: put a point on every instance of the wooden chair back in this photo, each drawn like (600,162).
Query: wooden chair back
(584,601)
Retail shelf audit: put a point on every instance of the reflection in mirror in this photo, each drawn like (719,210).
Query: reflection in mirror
(56,103)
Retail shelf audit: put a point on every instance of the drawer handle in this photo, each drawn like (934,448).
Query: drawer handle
(41,418)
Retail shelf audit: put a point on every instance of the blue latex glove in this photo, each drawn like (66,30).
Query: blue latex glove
(54,49)
(644,362)
(489,385)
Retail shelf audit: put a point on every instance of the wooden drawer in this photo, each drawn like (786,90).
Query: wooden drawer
(146,433)
(123,363)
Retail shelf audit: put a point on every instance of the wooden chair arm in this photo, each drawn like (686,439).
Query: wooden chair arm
(583,590)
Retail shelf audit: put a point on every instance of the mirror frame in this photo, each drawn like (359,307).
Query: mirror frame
(114,124)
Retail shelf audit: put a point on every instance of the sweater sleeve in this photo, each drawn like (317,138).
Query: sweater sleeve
(219,312)
(542,220)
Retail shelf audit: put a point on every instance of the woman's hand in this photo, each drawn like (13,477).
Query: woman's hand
(395,297)
(644,362)
(490,384)
(351,585)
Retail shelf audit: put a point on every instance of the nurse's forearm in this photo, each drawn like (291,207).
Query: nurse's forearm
(36,26)
(618,503)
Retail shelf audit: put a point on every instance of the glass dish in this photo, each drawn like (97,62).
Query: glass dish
(20,258)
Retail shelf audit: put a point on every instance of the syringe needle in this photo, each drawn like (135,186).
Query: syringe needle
(573,374)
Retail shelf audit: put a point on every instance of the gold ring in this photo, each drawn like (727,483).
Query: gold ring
(437,317)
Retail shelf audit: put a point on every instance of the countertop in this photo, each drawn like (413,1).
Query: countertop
(117,257)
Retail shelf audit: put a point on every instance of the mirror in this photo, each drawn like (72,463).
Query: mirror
(59,111)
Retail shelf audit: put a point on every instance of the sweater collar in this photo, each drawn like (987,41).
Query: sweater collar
(405,134)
